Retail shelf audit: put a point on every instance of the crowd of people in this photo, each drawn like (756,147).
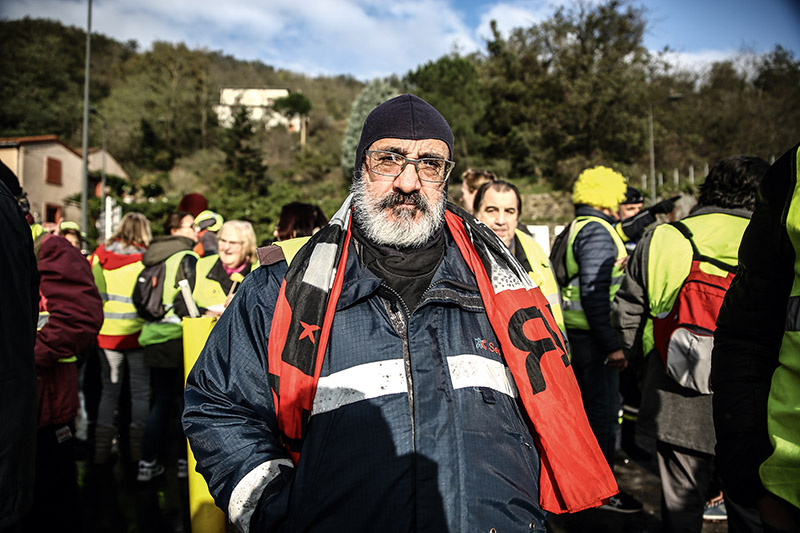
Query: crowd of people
(413,364)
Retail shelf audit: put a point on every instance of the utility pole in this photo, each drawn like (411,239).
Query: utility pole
(85,144)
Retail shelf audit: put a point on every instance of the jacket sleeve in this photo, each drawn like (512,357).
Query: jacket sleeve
(229,416)
(632,229)
(70,297)
(748,338)
(596,252)
(630,308)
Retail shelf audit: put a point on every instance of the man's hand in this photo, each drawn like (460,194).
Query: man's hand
(617,360)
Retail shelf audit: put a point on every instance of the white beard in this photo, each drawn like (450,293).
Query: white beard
(403,231)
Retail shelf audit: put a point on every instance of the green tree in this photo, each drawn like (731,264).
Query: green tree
(244,161)
(374,94)
(167,89)
(42,89)
(452,85)
(777,86)
(568,92)
(293,105)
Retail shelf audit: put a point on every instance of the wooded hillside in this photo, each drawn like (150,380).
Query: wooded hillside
(536,107)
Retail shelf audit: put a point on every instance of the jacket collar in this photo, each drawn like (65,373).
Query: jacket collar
(452,275)
(583,210)
(712,209)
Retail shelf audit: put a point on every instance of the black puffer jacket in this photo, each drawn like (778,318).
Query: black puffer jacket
(595,251)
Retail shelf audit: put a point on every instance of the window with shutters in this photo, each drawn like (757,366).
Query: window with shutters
(53,171)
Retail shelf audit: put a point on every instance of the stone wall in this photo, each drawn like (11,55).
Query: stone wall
(546,208)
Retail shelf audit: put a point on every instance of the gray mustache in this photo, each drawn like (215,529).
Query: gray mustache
(399,198)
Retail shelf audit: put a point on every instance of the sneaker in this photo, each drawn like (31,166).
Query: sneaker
(715,511)
(183,468)
(149,470)
(622,503)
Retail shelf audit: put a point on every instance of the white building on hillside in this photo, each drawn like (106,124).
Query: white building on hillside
(258,103)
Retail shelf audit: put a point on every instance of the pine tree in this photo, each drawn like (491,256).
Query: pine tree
(374,94)
(244,160)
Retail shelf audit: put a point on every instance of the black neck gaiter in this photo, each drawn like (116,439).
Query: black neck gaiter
(407,271)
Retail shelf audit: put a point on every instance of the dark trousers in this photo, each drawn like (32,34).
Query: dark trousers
(599,386)
(167,386)
(685,480)
(56,503)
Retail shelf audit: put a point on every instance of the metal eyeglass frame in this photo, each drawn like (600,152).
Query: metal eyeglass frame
(414,162)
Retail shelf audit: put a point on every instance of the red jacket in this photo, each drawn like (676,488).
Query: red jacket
(70,315)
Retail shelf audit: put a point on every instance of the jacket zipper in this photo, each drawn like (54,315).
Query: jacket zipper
(399,319)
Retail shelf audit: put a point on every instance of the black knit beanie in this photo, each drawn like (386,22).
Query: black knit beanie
(403,117)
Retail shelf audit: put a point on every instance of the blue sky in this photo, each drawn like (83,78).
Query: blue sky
(373,38)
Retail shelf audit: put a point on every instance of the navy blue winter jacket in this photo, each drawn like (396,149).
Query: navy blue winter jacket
(416,424)
(595,252)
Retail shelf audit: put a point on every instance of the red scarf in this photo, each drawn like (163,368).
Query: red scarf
(574,474)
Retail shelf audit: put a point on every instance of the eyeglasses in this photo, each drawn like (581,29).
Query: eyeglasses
(193,228)
(226,242)
(391,164)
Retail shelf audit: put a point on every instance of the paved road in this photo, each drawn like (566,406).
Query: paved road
(113,501)
(639,480)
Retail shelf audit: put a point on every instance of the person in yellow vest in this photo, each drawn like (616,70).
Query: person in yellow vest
(755,370)
(498,205)
(215,273)
(595,262)
(163,340)
(72,232)
(678,415)
(208,223)
(116,265)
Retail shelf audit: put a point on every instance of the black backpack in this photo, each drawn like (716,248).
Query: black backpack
(558,255)
(148,292)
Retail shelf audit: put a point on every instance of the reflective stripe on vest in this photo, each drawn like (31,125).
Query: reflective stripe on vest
(793,314)
(115,298)
(574,315)
(780,473)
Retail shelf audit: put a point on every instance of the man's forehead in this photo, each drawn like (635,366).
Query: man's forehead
(500,198)
(407,146)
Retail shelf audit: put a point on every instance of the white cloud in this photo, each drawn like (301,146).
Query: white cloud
(698,62)
(520,14)
(366,38)
(510,15)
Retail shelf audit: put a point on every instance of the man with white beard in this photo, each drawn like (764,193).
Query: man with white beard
(400,372)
